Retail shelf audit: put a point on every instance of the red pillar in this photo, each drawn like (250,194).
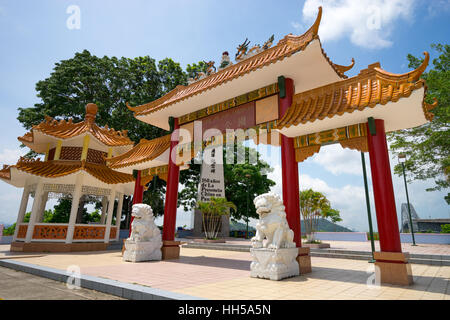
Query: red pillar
(383,190)
(290,169)
(138,194)
(170,208)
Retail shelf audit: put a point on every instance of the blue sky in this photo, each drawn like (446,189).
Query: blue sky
(34,35)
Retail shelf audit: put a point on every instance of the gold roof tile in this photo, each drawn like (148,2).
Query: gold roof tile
(63,129)
(59,168)
(145,150)
(371,87)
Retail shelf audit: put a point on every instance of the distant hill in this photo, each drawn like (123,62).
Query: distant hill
(327,226)
(6,225)
(238,226)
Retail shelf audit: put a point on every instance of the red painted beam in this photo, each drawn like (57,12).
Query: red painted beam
(170,208)
(383,190)
(290,169)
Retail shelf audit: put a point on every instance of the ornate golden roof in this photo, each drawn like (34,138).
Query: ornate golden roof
(58,168)
(286,47)
(370,87)
(63,129)
(145,150)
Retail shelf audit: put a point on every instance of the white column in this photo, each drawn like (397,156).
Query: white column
(104,205)
(119,215)
(74,209)
(42,207)
(112,198)
(22,209)
(35,211)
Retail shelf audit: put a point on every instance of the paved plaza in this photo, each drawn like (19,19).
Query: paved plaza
(217,274)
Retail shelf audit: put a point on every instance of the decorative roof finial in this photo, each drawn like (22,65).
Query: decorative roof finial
(342,69)
(315,27)
(91,112)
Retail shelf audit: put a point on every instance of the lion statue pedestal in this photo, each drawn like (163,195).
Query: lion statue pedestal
(273,250)
(144,243)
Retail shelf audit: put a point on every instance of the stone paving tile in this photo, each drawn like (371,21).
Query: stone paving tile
(216,274)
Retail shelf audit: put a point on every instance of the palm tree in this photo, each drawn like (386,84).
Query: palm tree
(212,211)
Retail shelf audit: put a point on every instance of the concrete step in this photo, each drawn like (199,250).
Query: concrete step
(217,246)
(428,259)
(341,255)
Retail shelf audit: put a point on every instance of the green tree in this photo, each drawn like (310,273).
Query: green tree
(60,212)
(445,228)
(212,211)
(193,69)
(314,206)
(154,197)
(108,82)
(333,215)
(10,230)
(243,182)
(428,147)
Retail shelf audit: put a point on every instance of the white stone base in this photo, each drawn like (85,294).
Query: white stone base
(142,251)
(274,264)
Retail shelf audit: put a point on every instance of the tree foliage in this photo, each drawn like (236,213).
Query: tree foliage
(154,197)
(193,69)
(212,211)
(108,82)
(314,205)
(428,147)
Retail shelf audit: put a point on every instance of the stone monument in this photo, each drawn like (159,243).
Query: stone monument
(273,250)
(211,185)
(144,243)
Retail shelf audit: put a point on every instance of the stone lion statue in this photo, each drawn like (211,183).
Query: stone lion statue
(143,227)
(144,243)
(272,230)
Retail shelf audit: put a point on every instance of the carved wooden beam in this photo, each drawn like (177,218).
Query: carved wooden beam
(303,153)
(359,144)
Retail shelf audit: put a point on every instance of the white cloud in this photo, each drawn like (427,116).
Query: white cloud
(437,7)
(338,160)
(10,156)
(349,200)
(10,199)
(10,196)
(296,25)
(368,23)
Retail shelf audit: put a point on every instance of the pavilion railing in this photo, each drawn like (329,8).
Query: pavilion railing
(58,232)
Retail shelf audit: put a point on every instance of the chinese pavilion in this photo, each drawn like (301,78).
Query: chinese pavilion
(74,167)
(294,92)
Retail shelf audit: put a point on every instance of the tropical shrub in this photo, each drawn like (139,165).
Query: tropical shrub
(212,211)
